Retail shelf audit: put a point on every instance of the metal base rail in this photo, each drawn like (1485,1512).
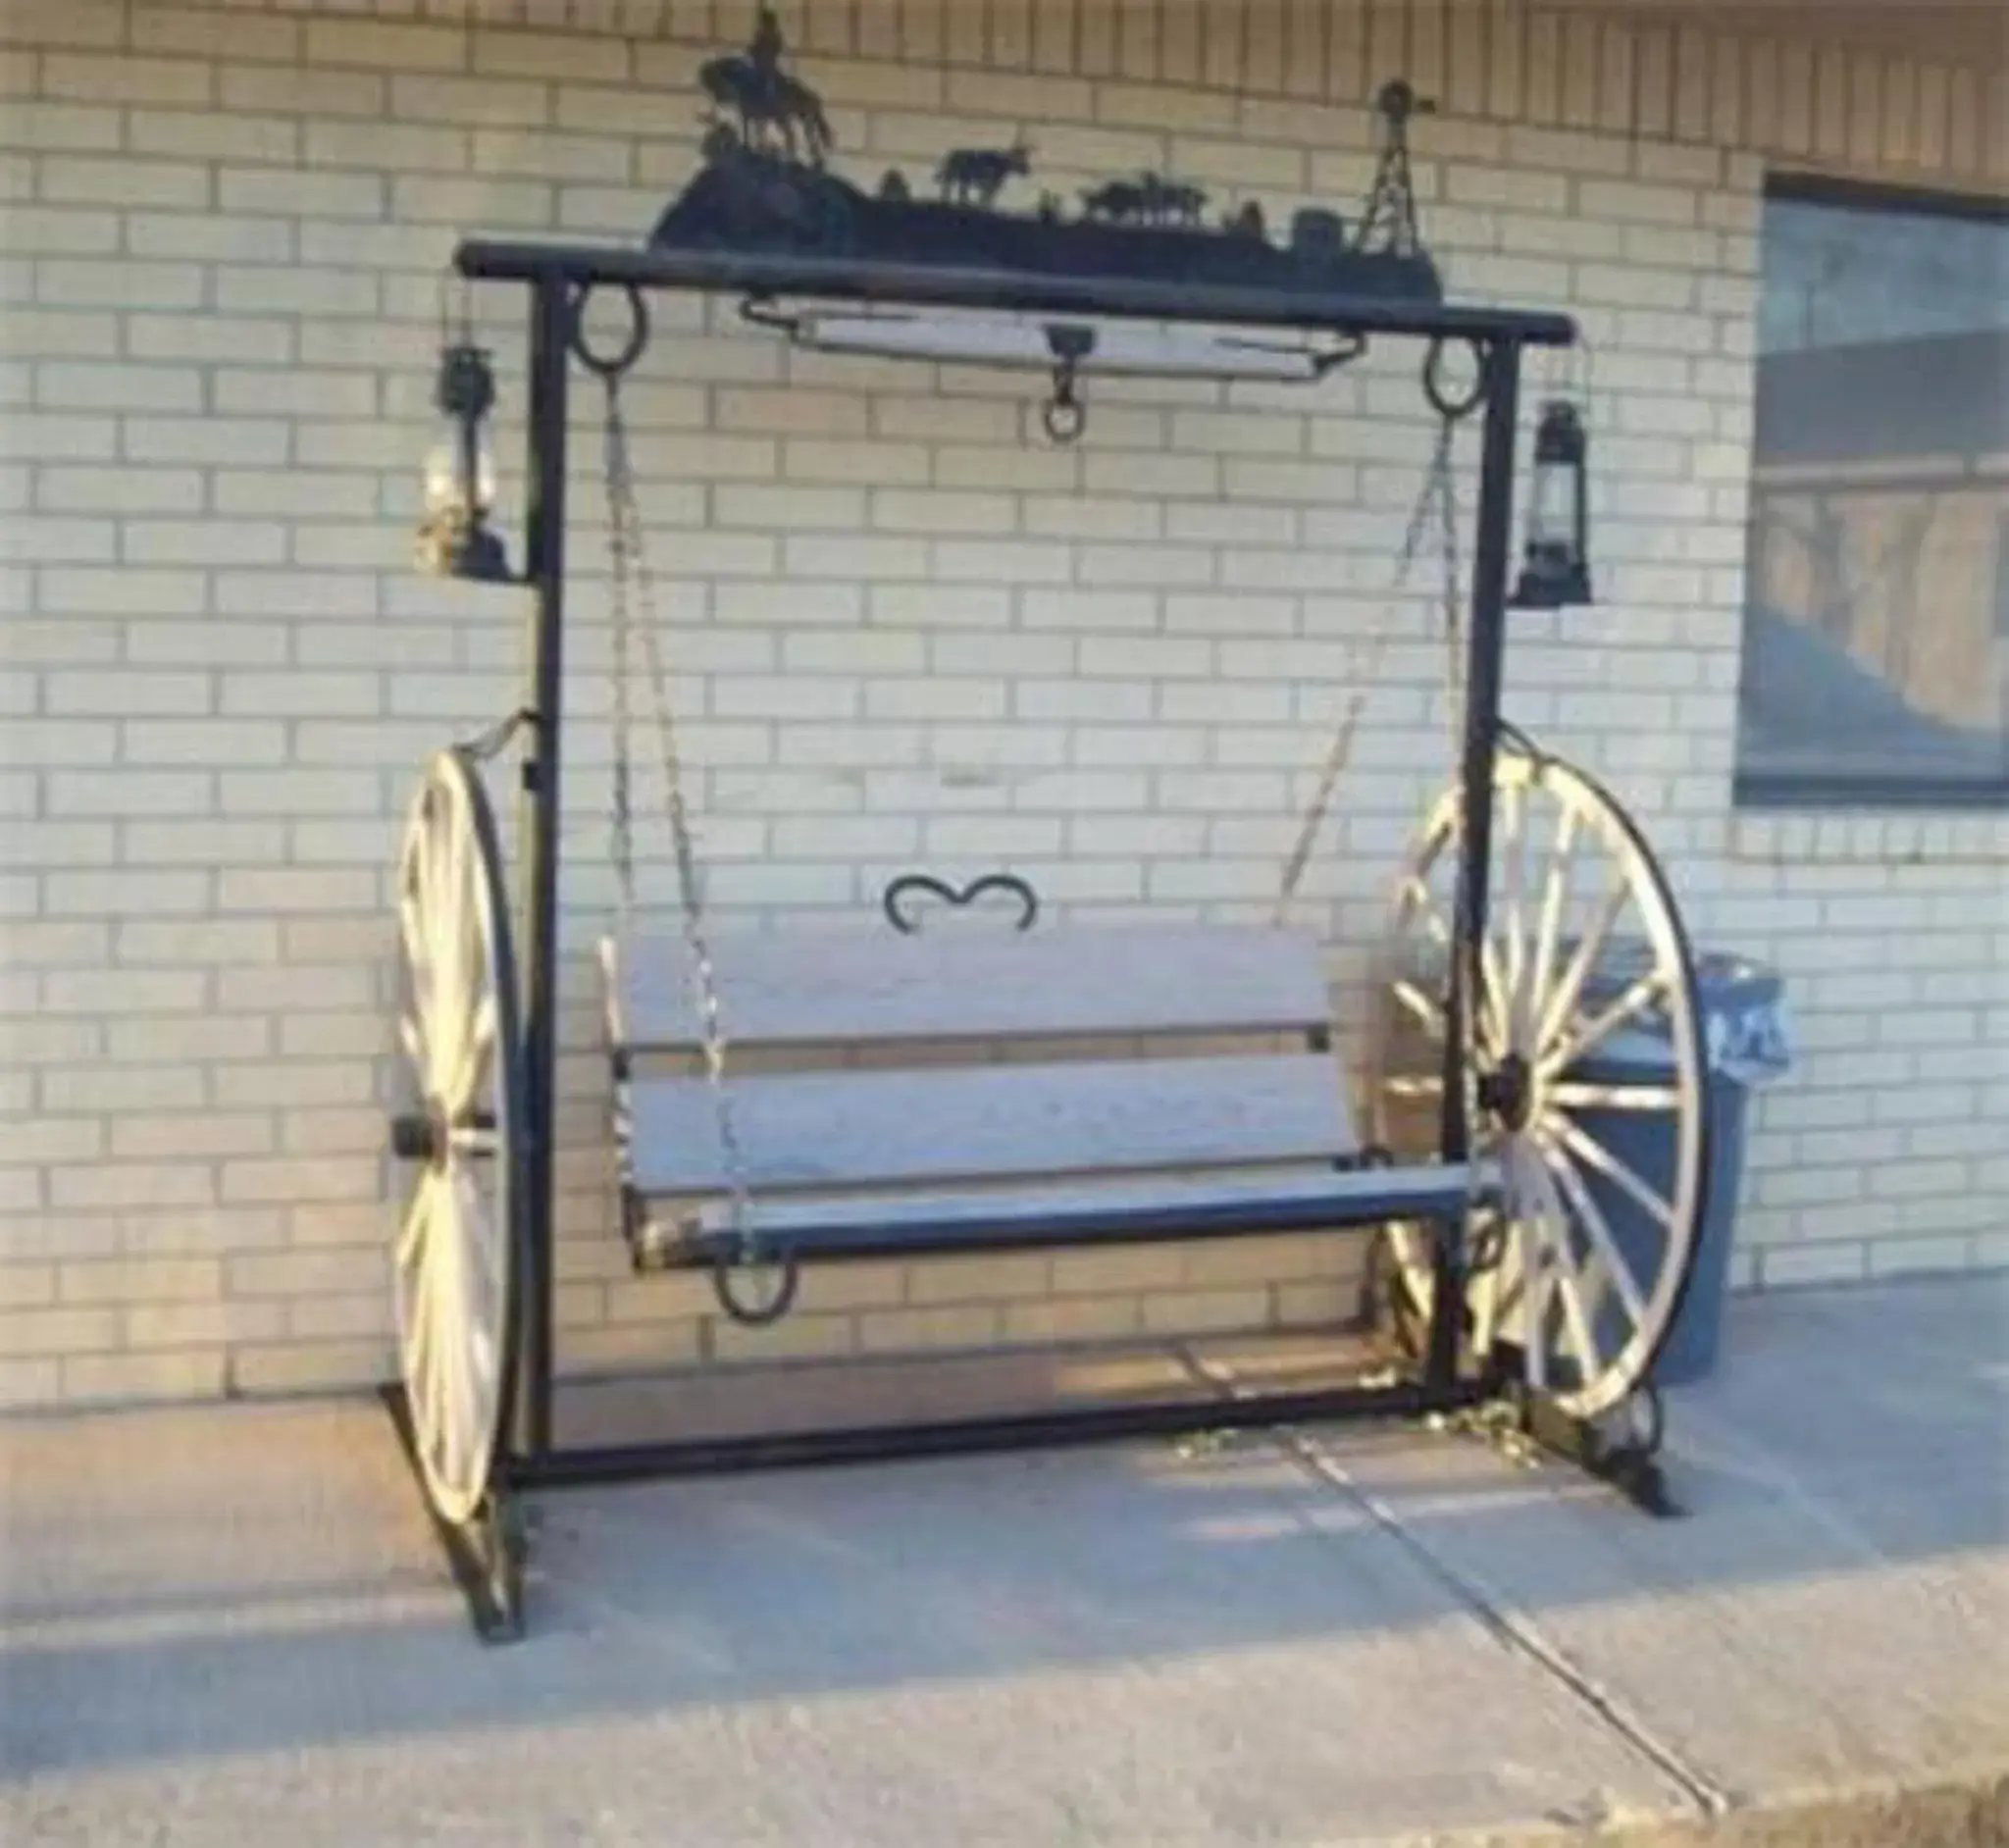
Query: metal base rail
(489,1557)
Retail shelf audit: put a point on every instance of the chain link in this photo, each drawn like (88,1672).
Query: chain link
(633,586)
(1439,489)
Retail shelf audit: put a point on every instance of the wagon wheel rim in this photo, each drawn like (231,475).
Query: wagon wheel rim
(1580,1260)
(455,1263)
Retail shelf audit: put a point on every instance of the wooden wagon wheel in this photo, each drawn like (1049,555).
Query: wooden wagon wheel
(457,1255)
(1586,1050)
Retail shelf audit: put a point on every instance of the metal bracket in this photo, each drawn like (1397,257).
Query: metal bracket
(1629,1466)
(487,1556)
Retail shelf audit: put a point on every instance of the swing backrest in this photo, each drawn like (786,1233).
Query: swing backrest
(1069,1052)
(857,988)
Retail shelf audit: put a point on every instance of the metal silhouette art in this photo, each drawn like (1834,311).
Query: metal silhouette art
(771,105)
(977,174)
(765,188)
(1389,223)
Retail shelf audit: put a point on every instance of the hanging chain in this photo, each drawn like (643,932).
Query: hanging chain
(1439,489)
(634,585)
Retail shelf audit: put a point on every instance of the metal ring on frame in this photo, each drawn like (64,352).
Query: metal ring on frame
(614,366)
(1454,410)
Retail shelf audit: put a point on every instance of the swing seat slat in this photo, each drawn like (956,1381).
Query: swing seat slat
(1218,1204)
(873,1128)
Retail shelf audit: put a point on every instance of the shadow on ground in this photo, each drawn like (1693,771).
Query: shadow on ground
(1213,1643)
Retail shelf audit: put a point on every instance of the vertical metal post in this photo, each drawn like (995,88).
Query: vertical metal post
(551,336)
(1485,647)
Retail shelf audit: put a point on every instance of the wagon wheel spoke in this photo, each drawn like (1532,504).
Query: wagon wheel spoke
(1421,1008)
(1614,1168)
(1573,1093)
(1589,1036)
(1566,1275)
(1549,925)
(1511,956)
(1416,893)
(1415,1085)
(1569,990)
(1612,1261)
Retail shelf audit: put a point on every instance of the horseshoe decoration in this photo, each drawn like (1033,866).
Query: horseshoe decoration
(897,901)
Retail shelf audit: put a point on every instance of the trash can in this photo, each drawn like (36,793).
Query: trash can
(1746,1046)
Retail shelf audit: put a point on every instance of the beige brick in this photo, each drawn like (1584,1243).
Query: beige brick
(56,231)
(26,1286)
(116,80)
(389,47)
(796,1337)
(132,1184)
(1567,152)
(133,1378)
(189,1324)
(26,1384)
(144,184)
(311,1366)
(29,945)
(124,991)
(301,91)
(351,1317)
(296,1180)
(86,283)
(1840,1262)
(1194,1311)
(61,1330)
(888,1331)
(1063,1319)
(143,1280)
(62,23)
(1137,1268)
(334,1272)
(487,102)
(979,1279)
(526,154)
(289,1083)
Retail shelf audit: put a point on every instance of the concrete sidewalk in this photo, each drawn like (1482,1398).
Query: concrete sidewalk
(228,1626)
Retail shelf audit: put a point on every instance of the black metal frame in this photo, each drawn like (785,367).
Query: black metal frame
(488,1559)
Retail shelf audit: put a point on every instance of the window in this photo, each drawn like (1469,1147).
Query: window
(1876,664)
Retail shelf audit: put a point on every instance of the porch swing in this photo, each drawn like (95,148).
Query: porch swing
(1168,1082)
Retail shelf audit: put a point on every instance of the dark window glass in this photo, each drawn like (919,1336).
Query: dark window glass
(1877,628)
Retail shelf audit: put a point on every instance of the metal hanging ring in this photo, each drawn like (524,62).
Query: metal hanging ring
(610,367)
(1450,408)
(1063,414)
(725,1273)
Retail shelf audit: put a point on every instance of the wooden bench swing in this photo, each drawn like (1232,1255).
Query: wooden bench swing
(931,1094)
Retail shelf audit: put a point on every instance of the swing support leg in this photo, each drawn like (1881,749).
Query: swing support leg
(550,343)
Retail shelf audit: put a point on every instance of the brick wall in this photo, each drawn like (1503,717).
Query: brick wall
(908,629)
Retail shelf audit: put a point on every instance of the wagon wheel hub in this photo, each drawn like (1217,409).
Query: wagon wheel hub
(1506,1093)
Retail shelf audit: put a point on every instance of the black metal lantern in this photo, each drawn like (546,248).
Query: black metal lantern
(1555,567)
(454,539)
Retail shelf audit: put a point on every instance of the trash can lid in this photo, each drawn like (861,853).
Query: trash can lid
(1725,983)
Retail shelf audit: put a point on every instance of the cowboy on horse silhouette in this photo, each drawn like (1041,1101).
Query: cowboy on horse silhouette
(765,97)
